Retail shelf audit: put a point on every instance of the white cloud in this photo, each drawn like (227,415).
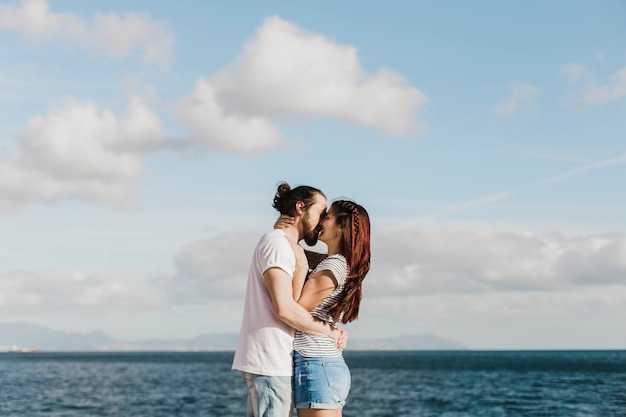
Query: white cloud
(527,305)
(426,261)
(522,95)
(211,125)
(79,151)
(286,72)
(567,319)
(573,72)
(449,261)
(118,36)
(211,269)
(613,90)
(456,282)
(598,260)
(29,291)
(438,280)
(34,20)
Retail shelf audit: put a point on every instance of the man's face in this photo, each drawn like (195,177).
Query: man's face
(311,220)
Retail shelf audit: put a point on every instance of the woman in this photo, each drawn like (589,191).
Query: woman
(332,293)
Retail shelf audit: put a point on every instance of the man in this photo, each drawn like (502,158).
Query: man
(264,353)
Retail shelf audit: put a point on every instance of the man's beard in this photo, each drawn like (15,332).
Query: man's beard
(310,233)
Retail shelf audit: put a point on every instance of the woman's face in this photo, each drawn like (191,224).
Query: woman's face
(329,228)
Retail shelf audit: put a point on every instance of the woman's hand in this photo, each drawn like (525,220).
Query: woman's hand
(284,221)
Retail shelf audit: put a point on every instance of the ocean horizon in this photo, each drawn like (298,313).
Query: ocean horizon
(384,383)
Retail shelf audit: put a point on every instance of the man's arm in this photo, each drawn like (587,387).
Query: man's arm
(278,283)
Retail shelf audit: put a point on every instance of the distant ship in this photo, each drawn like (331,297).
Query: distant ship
(20,349)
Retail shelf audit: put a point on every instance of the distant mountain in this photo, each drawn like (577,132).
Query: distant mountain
(24,335)
(405,342)
(216,341)
(15,336)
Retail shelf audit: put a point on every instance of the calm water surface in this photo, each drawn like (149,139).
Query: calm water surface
(443,384)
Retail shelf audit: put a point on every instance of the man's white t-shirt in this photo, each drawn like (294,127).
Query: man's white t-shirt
(265,345)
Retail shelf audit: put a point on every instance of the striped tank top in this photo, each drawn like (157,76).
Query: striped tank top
(319,346)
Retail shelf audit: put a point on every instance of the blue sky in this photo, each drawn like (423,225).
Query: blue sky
(141,144)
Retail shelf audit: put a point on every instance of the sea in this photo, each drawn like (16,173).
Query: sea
(384,384)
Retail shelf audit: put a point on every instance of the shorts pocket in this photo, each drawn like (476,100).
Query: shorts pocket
(338,377)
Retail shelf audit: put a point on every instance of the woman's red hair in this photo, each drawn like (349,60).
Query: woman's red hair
(355,224)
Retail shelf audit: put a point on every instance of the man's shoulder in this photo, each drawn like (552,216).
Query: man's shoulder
(273,235)
(274,250)
(273,240)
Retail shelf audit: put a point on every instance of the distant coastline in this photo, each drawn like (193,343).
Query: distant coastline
(30,338)
(21,349)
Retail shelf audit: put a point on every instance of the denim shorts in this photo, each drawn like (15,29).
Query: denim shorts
(320,382)
(269,395)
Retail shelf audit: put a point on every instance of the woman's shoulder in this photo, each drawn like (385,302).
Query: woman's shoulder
(337,264)
(336,259)
(337,256)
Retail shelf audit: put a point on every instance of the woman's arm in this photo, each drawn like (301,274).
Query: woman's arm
(316,288)
(278,284)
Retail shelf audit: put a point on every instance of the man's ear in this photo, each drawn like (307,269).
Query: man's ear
(299,208)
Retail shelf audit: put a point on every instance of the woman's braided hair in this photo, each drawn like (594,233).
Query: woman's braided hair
(355,224)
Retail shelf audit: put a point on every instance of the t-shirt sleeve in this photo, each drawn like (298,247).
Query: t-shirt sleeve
(276,252)
(337,266)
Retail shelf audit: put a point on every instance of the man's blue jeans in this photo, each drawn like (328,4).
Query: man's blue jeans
(269,396)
